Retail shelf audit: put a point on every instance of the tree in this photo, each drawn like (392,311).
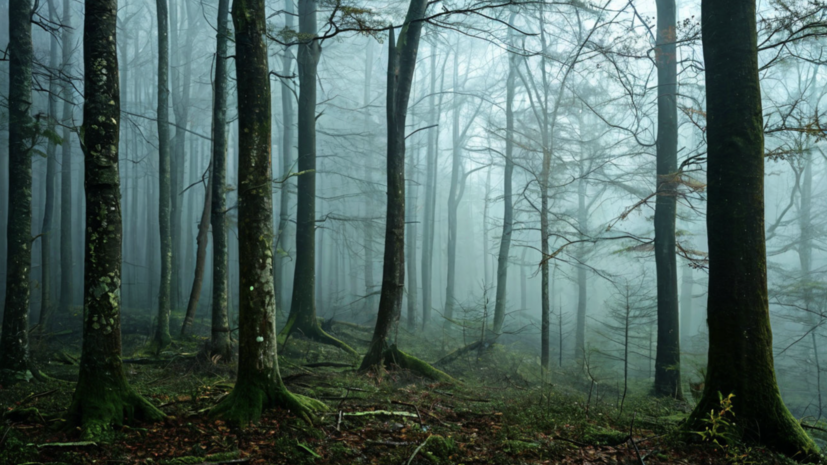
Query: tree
(668,359)
(740,360)
(102,395)
(66,166)
(401,64)
(14,340)
(258,383)
(303,307)
(220,332)
(162,338)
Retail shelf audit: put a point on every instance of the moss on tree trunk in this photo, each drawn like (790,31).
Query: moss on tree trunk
(740,337)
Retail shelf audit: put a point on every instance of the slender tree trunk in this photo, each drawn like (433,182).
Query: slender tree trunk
(428,222)
(453,197)
(14,340)
(258,383)
(401,64)
(580,325)
(66,167)
(740,337)
(46,306)
(284,238)
(508,202)
(162,337)
(220,332)
(668,358)
(370,198)
(200,259)
(411,242)
(687,283)
(102,395)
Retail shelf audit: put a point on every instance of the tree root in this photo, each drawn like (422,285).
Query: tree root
(248,400)
(313,330)
(96,408)
(392,356)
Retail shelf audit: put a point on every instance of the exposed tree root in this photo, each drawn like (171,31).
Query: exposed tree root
(311,329)
(392,356)
(248,400)
(96,406)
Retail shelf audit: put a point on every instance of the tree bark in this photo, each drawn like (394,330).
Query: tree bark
(162,337)
(103,395)
(430,198)
(258,383)
(220,332)
(66,255)
(453,197)
(303,307)
(401,65)
(668,357)
(14,340)
(200,259)
(740,336)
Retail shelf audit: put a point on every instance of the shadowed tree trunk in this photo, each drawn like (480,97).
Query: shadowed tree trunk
(687,283)
(14,340)
(411,233)
(220,332)
(370,198)
(46,306)
(303,308)
(508,205)
(162,338)
(200,259)
(284,239)
(258,383)
(740,337)
(103,395)
(66,167)
(668,358)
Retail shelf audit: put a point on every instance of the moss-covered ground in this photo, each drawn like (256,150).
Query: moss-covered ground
(498,411)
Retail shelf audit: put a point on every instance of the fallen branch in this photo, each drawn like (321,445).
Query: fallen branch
(418,449)
(329,365)
(418,416)
(631,429)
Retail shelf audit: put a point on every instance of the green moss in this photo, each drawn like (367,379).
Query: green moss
(247,401)
(600,436)
(440,449)
(394,356)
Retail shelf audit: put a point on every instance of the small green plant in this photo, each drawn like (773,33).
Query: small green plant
(721,431)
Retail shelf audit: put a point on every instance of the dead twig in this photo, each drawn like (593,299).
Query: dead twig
(632,439)
(418,416)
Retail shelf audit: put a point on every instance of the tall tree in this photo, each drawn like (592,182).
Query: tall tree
(46,306)
(102,395)
(258,383)
(67,96)
(14,340)
(668,358)
(740,358)
(220,332)
(430,197)
(508,173)
(401,65)
(303,307)
(162,338)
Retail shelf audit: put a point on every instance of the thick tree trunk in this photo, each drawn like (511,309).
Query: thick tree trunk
(46,306)
(220,333)
(401,65)
(258,383)
(66,255)
(14,341)
(303,307)
(508,203)
(740,337)
(668,358)
(102,395)
(162,338)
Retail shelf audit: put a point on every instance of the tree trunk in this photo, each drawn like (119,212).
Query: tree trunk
(580,325)
(453,197)
(66,255)
(508,203)
(103,395)
(370,198)
(258,383)
(430,198)
(14,341)
(200,259)
(162,338)
(687,283)
(284,239)
(46,307)
(740,337)
(220,333)
(303,307)
(411,242)
(401,65)
(668,357)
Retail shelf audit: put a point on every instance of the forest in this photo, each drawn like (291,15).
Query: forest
(413,232)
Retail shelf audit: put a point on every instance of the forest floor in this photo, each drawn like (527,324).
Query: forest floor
(499,412)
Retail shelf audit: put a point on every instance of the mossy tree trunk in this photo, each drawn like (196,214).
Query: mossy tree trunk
(162,338)
(258,383)
(401,64)
(14,340)
(303,306)
(668,358)
(103,395)
(740,337)
(66,255)
(220,333)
